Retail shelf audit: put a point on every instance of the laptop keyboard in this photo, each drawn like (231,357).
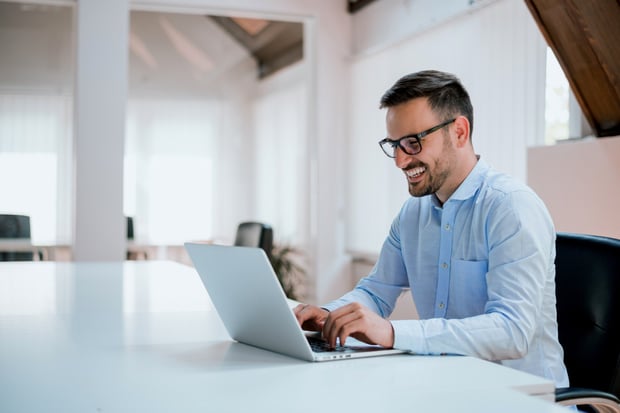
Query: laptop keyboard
(321,346)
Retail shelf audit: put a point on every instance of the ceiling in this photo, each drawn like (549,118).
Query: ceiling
(356,5)
(273,44)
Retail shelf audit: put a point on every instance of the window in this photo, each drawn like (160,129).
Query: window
(556,101)
(169,169)
(36,116)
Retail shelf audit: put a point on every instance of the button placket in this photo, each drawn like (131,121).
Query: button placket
(445,253)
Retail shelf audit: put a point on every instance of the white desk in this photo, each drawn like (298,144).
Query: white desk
(143,337)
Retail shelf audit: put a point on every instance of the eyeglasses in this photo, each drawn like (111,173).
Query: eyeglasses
(410,144)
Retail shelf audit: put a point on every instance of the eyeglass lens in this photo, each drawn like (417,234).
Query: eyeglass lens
(410,146)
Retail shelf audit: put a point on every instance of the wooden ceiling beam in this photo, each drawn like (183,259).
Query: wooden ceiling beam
(585,37)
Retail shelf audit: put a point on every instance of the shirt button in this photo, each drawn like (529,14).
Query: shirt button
(447,227)
(441,305)
(444,265)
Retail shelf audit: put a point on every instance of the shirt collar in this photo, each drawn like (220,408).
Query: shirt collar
(472,183)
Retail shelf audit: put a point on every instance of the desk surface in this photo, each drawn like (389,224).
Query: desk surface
(143,336)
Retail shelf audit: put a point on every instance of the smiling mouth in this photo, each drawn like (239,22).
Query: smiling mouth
(414,173)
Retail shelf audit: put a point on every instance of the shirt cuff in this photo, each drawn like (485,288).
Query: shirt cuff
(409,335)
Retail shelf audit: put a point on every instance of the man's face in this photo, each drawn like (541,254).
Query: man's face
(429,171)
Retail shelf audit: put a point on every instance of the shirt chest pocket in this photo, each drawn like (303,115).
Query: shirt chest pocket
(468,286)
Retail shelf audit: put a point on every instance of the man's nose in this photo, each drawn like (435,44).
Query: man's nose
(401,159)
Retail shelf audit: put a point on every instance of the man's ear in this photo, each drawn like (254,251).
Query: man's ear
(462,131)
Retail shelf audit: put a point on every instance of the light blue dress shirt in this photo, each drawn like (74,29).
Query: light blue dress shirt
(482,275)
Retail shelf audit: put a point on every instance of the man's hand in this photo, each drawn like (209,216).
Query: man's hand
(359,322)
(310,317)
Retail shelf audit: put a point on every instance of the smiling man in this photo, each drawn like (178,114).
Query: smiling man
(475,246)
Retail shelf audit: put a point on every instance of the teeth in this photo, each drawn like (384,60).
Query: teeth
(414,171)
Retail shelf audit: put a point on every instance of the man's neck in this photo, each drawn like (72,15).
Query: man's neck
(460,176)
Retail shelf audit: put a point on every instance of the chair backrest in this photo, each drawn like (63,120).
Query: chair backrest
(129,222)
(15,227)
(255,234)
(588,304)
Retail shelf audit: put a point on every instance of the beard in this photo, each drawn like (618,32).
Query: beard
(436,173)
(433,180)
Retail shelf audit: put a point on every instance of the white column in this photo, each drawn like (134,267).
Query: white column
(100,96)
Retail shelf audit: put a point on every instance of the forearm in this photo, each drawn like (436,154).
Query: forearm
(373,294)
(356,295)
(488,336)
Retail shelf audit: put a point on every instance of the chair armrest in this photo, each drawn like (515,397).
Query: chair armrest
(600,401)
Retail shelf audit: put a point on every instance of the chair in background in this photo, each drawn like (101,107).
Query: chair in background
(588,306)
(16,227)
(134,252)
(255,234)
(129,222)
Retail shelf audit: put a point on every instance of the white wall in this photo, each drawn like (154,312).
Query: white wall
(279,120)
(99,117)
(384,23)
(579,183)
(42,40)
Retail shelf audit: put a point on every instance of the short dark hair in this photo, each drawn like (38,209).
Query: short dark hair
(446,95)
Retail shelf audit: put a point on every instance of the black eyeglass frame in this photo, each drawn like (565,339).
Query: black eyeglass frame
(393,144)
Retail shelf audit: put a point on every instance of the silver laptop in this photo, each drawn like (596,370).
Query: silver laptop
(251,303)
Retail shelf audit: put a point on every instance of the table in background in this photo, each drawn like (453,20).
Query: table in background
(143,337)
(49,251)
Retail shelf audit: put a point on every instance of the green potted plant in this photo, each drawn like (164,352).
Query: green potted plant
(285,260)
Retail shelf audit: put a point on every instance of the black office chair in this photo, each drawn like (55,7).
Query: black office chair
(255,234)
(129,224)
(588,305)
(135,252)
(16,227)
